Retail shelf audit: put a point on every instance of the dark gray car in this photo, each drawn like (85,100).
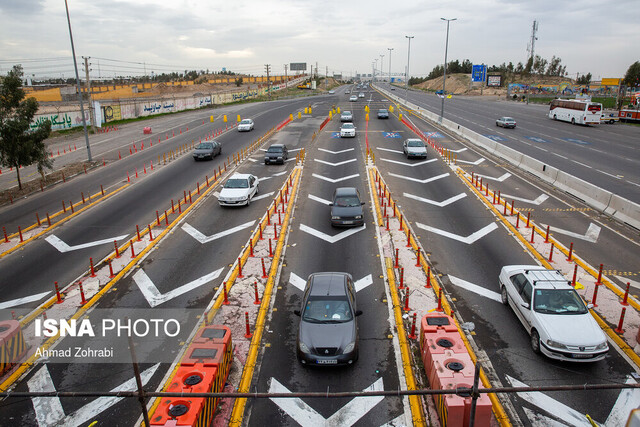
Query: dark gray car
(276,153)
(207,150)
(328,332)
(346,207)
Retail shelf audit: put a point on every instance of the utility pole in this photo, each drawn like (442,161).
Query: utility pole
(326,77)
(532,43)
(381,68)
(286,80)
(91,113)
(444,77)
(406,87)
(267,67)
(389,49)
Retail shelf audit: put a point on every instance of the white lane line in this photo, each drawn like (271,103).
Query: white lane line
(390,150)
(613,176)
(582,164)
(319,199)
(206,239)
(468,239)
(54,241)
(559,155)
(628,400)
(433,202)
(477,162)
(48,410)
(591,236)
(499,179)
(297,281)
(336,152)
(331,239)
(421,181)
(263,196)
(24,300)
(363,283)
(475,288)
(538,200)
(337,179)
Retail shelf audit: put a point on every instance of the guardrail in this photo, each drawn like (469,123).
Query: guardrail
(604,201)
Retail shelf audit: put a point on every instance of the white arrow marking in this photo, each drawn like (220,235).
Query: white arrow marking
(153,295)
(477,162)
(552,406)
(319,199)
(63,247)
(23,300)
(300,283)
(457,151)
(49,410)
(331,239)
(433,202)
(475,288)
(262,196)
(295,149)
(628,400)
(421,181)
(538,200)
(541,420)
(500,179)
(206,239)
(409,164)
(468,240)
(252,160)
(306,416)
(390,150)
(269,177)
(336,152)
(335,164)
(335,180)
(623,279)
(592,234)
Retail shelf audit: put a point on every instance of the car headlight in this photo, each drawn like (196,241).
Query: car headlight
(303,347)
(335,217)
(358,216)
(349,348)
(555,344)
(603,345)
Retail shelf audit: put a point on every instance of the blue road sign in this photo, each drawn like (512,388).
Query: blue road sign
(478,73)
(577,141)
(496,137)
(433,135)
(391,134)
(335,134)
(536,139)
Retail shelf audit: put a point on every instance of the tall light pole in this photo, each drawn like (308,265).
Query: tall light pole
(389,49)
(444,79)
(375,67)
(75,65)
(381,68)
(406,87)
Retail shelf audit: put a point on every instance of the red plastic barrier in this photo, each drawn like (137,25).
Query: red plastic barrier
(12,344)
(146,130)
(182,412)
(214,333)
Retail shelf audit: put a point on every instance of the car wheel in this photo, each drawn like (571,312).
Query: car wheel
(555,117)
(503,296)
(573,121)
(497,124)
(535,341)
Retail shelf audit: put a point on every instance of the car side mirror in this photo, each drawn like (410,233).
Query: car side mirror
(590,306)
(330,204)
(296,312)
(358,312)
(361,203)
(527,306)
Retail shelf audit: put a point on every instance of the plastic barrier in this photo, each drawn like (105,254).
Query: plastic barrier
(12,344)
(214,333)
(146,130)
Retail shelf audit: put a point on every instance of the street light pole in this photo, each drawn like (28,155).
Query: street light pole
(406,87)
(444,78)
(381,67)
(389,49)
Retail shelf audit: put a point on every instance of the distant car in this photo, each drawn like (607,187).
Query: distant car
(353,98)
(347,91)
(346,207)
(440,92)
(245,125)
(276,153)
(238,190)
(552,312)
(328,329)
(506,122)
(346,116)
(383,114)
(414,147)
(207,150)
(393,88)
(610,118)
(348,130)
(361,95)
(331,92)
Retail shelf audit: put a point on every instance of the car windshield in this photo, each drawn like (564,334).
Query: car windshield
(245,122)
(237,183)
(346,201)
(382,111)
(327,309)
(347,126)
(346,113)
(554,301)
(415,144)
(508,119)
(275,150)
(204,146)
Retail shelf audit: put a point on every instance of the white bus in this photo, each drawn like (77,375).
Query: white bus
(576,111)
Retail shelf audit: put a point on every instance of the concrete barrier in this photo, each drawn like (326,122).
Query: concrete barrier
(622,209)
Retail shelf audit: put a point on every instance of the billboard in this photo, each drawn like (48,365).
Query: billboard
(298,66)
(610,82)
(494,81)
(478,73)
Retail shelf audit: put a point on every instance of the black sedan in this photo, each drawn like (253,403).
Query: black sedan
(207,150)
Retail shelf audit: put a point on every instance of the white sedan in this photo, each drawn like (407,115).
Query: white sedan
(550,309)
(353,98)
(348,130)
(245,125)
(238,190)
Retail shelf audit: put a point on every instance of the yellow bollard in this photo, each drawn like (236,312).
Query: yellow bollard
(290,116)
(330,115)
(338,110)
(391,108)
(310,110)
(366,108)
(239,119)
(211,119)
(367,117)
(224,118)
(299,114)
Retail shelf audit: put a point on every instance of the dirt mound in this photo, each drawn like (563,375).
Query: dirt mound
(460,84)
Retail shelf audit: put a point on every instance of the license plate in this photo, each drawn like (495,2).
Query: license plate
(582,356)
(347,222)
(327,362)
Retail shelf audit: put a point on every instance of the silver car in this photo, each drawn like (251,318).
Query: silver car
(353,98)
(414,147)
(207,150)
(346,116)
(245,125)
(506,122)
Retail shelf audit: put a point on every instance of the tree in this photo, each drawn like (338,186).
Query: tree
(239,81)
(20,144)
(632,76)
(584,79)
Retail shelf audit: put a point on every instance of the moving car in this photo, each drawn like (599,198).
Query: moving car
(346,207)
(239,189)
(556,317)
(346,116)
(245,125)
(347,91)
(348,130)
(276,153)
(414,147)
(506,122)
(383,114)
(361,95)
(353,98)
(328,330)
(610,118)
(331,92)
(207,150)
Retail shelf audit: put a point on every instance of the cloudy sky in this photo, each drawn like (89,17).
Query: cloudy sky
(128,37)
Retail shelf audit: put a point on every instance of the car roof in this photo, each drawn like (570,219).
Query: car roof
(346,112)
(508,118)
(240,176)
(328,283)
(413,139)
(346,191)
(542,278)
(277,146)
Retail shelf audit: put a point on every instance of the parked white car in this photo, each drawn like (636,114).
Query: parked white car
(245,125)
(238,190)
(348,130)
(553,313)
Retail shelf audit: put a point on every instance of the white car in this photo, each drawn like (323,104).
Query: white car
(506,122)
(361,95)
(331,92)
(353,98)
(414,147)
(553,313)
(346,116)
(238,190)
(348,130)
(245,125)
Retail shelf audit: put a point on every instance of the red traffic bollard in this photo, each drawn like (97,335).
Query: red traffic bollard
(270,250)
(111,275)
(428,285)
(133,252)
(58,296)
(528,218)
(401,278)
(255,287)
(439,309)
(595,295)
(598,282)
(6,238)
(275,232)
(619,329)
(546,237)
(533,233)
(264,269)
(93,273)
(246,318)
(551,253)
(626,295)
(418,259)
(138,232)
(406,299)
(412,335)
(20,232)
(575,275)
(150,235)
(84,301)
(226,295)
(569,258)
(396,264)
(240,268)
